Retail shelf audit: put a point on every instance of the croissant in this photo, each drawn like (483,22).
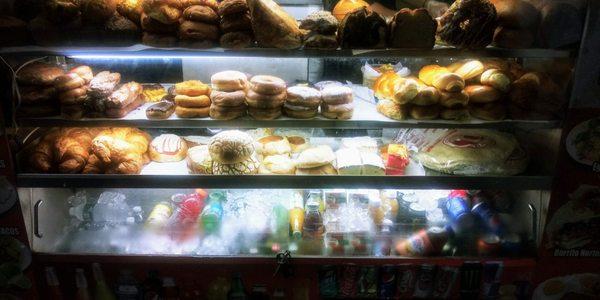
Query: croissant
(94,165)
(441,78)
(41,157)
(121,150)
(72,149)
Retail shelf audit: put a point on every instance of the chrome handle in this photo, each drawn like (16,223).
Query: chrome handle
(36,223)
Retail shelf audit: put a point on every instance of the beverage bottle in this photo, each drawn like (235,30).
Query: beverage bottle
(376,211)
(313,229)
(170,288)
(383,240)
(127,287)
(184,218)
(237,291)
(152,286)
(210,218)
(101,292)
(53,284)
(279,223)
(137,214)
(159,215)
(296,220)
(82,292)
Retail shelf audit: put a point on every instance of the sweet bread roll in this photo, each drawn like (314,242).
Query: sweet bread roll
(457,114)
(153,26)
(467,69)
(327,169)
(333,95)
(161,110)
(264,113)
(299,112)
(38,74)
(85,72)
(227,112)
(167,148)
(229,81)
(454,100)
(236,23)
(190,30)
(303,96)
(229,7)
(192,101)
(232,99)
(210,3)
(257,100)
(268,85)
(494,111)
(405,90)
(427,95)
(392,109)
(315,157)
(273,145)
(231,146)
(246,167)
(188,112)
(159,40)
(441,78)
(74,96)
(430,112)
(482,94)
(199,160)
(236,39)
(201,14)
(496,79)
(36,94)
(68,81)
(277,165)
(161,11)
(298,143)
(192,88)
(340,111)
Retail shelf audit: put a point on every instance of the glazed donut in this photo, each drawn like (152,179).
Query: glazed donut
(494,111)
(337,111)
(192,101)
(192,112)
(257,100)
(264,113)
(303,96)
(299,112)
(191,88)
(268,85)
(74,96)
(228,7)
(482,93)
(453,100)
(227,112)
(228,99)
(202,14)
(229,81)
(68,82)
(84,72)
(459,114)
(334,95)
(424,112)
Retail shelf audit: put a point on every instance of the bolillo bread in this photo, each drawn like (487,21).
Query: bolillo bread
(273,27)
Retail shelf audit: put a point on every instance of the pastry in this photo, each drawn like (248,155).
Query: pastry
(506,37)
(516,13)
(268,85)
(189,30)
(257,100)
(273,145)
(160,110)
(72,149)
(372,164)
(123,111)
(122,29)
(494,111)
(278,165)
(72,111)
(322,22)
(441,78)
(103,84)
(348,161)
(192,101)
(74,96)
(454,100)
(199,160)
(229,81)
(227,112)
(320,41)
(247,167)
(338,111)
(327,169)
(334,95)
(153,92)
(468,24)
(323,84)
(303,96)
(430,112)
(98,11)
(467,69)
(202,14)
(38,74)
(297,143)
(231,146)
(85,72)
(125,95)
(426,95)
(159,40)
(456,114)
(236,22)
(192,88)
(273,26)
(166,12)
(412,29)
(264,113)
(482,93)
(392,109)
(236,40)
(118,150)
(315,157)
(210,3)
(189,112)
(153,26)
(228,99)
(132,9)
(229,7)
(362,28)
(300,112)
(167,148)
(361,143)
(496,78)
(68,81)
(62,11)
(34,94)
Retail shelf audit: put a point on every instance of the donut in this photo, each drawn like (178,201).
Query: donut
(494,111)
(299,112)
(482,93)
(303,96)
(84,72)
(453,100)
(192,101)
(192,112)
(264,113)
(321,85)
(202,14)
(228,99)
(236,39)
(228,7)
(337,111)
(334,95)
(257,100)
(269,85)
(189,30)
(429,112)
(68,81)
(459,114)
(74,96)
(236,22)
(227,112)
(229,81)
(191,88)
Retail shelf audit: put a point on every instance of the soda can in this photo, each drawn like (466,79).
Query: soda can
(348,287)
(328,285)
(470,279)
(492,272)
(445,279)
(367,282)
(511,244)
(488,245)
(386,287)
(424,283)
(405,282)
(459,213)
(488,217)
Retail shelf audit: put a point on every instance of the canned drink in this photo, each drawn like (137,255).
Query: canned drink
(445,278)
(386,287)
(424,283)
(488,245)
(470,279)
(457,207)
(405,282)
(348,287)
(492,271)
(488,217)
(511,244)
(424,242)
(367,282)
(160,214)
(328,285)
